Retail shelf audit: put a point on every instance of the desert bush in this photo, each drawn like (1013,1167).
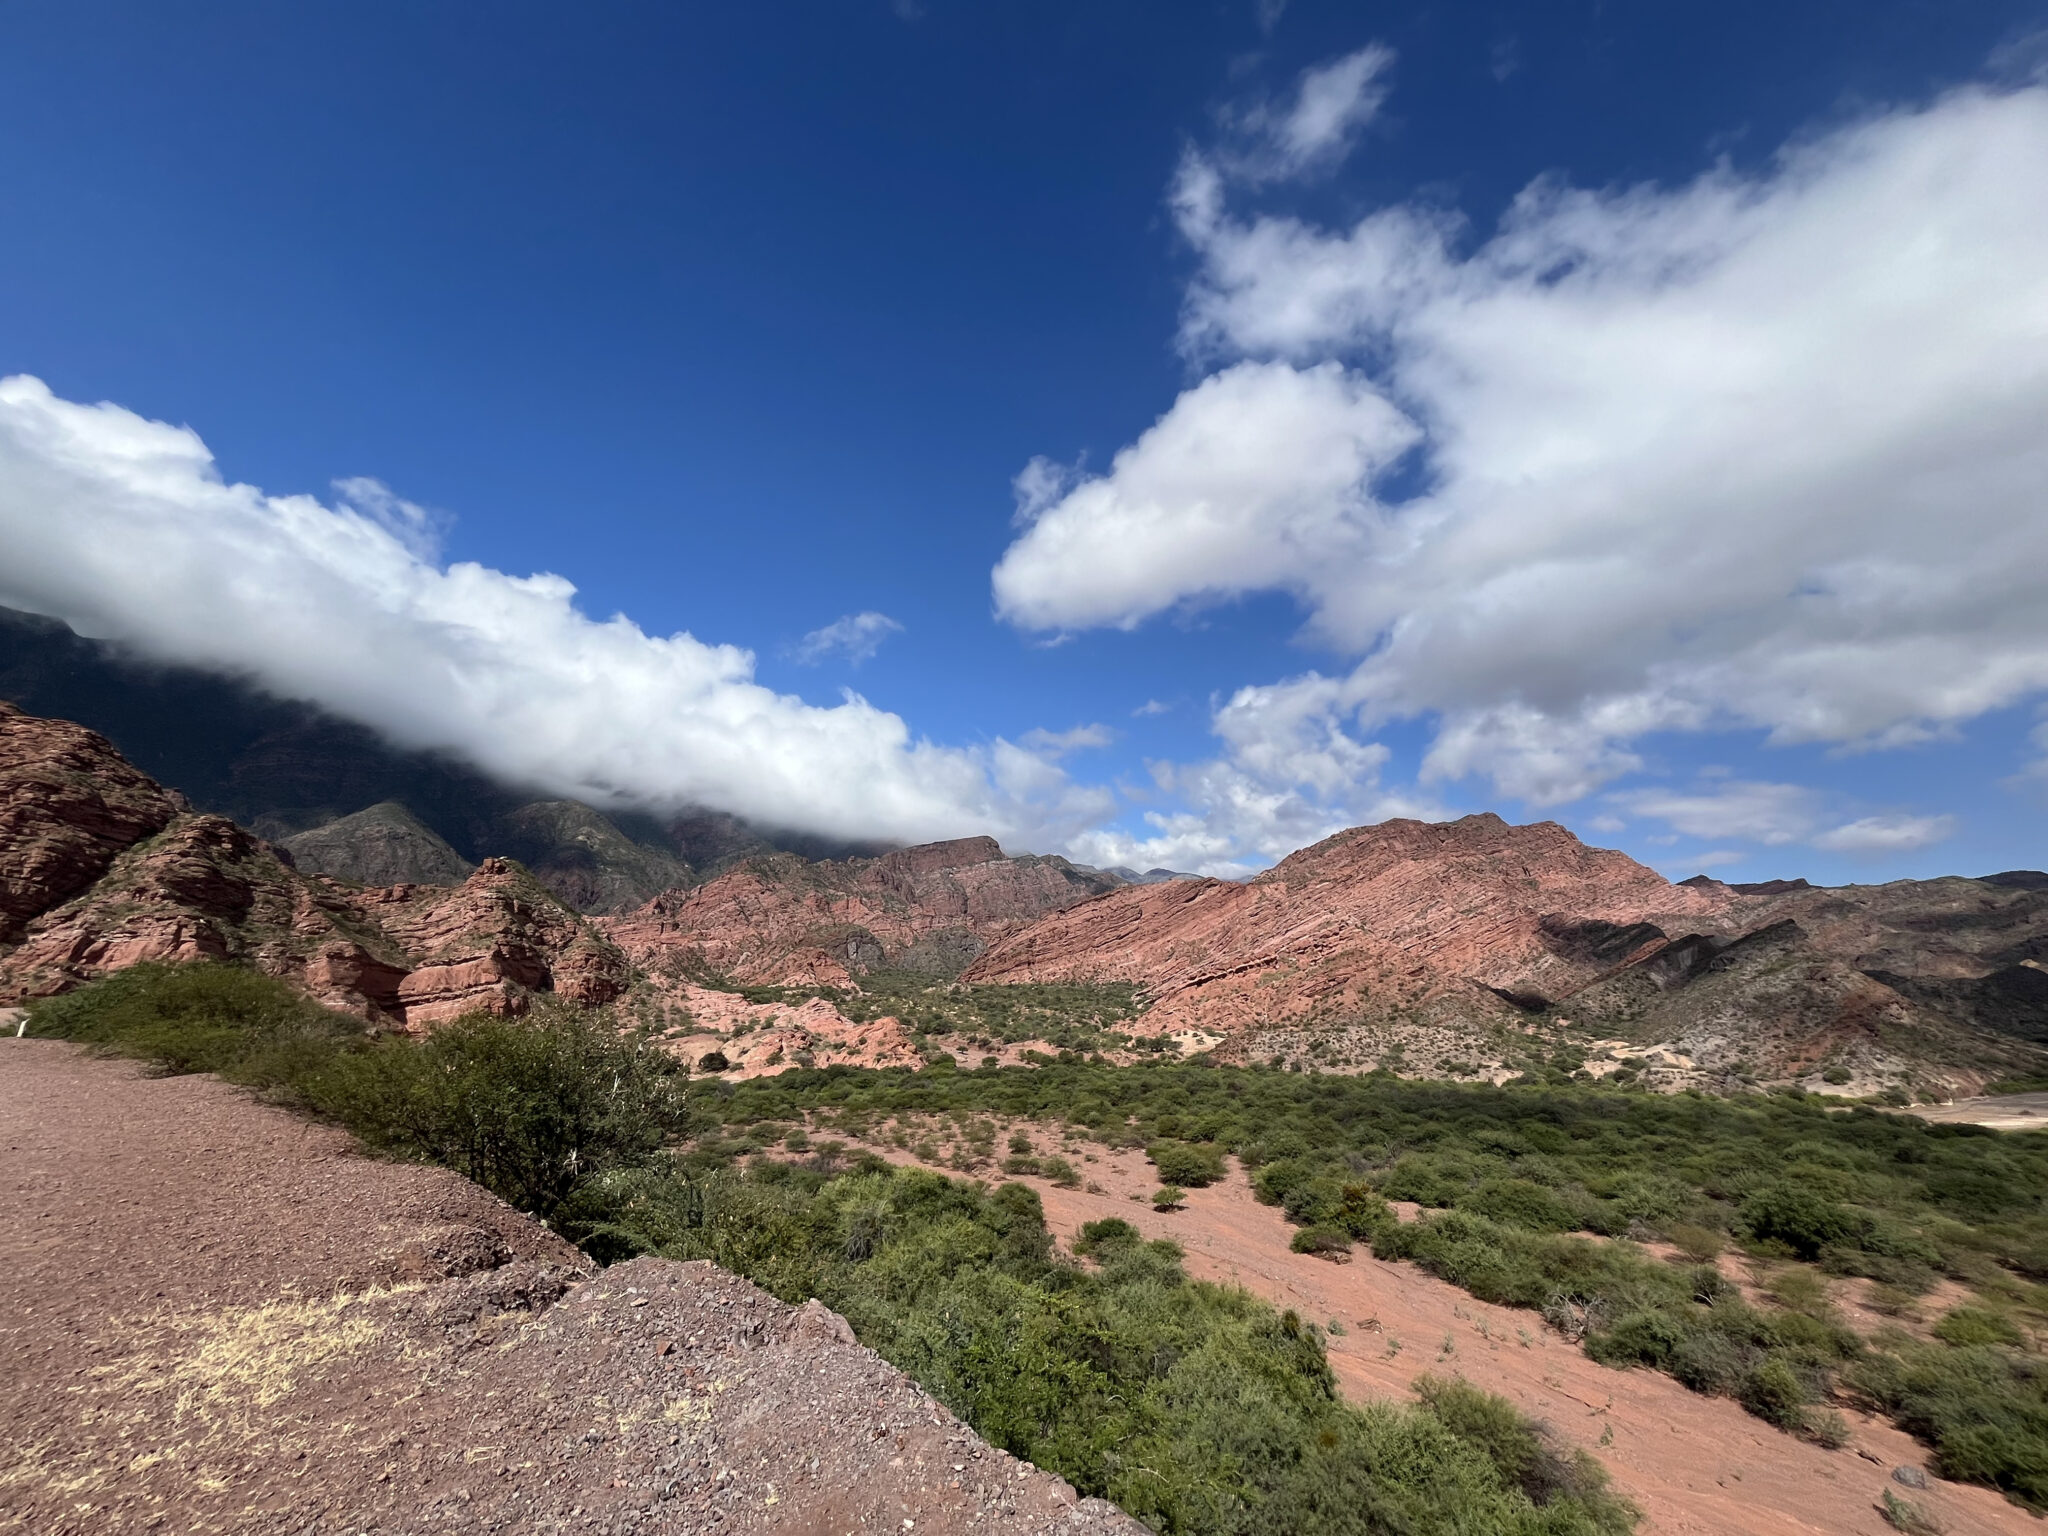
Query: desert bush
(529,1108)
(1861,1192)
(1196,1407)
(196,1018)
(1325,1242)
(1967,1325)
(1060,1171)
(1186,1164)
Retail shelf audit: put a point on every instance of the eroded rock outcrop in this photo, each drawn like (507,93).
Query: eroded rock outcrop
(69,805)
(493,942)
(787,920)
(1377,920)
(100,869)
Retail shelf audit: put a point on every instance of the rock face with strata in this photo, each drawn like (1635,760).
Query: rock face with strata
(101,869)
(785,920)
(1380,920)
(1475,924)
(493,942)
(69,805)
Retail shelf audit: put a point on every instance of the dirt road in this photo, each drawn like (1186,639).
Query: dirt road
(219,1318)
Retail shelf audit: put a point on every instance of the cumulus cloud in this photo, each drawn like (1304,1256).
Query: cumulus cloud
(124,528)
(1288,775)
(1255,478)
(1054,745)
(857,636)
(1760,450)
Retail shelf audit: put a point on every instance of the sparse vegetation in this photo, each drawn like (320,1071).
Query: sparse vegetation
(1197,1407)
(1067,1016)
(1537,1195)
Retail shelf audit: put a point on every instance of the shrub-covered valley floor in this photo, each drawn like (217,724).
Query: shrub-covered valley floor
(1821,1270)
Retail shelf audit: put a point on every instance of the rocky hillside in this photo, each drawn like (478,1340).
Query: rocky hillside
(788,920)
(383,845)
(348,803)
(101,868)
(1462,931)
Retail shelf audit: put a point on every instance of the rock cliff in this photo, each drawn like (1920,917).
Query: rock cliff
(786,920)
(1378,920)
(100,869)
(1475,927)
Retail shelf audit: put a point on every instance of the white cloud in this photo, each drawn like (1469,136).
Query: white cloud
(1886,834)
(1715,858)
(1151,707)
(1253,479)
(1778,814)
(857,636)
(124,528)
(1289,775)
(1763,813)
(1758,451)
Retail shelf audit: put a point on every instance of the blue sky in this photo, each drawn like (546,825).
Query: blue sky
(751,321)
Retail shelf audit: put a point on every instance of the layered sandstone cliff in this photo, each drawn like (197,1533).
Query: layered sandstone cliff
(786,920)
(1376,920)
(100,869)
(1474,927)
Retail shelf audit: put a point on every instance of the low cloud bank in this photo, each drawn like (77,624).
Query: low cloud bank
(124,528)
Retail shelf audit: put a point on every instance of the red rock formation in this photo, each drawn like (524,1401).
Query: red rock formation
(492,942)
(204,889)
(100,869)
(69,803)
(1376,921)
(785,920)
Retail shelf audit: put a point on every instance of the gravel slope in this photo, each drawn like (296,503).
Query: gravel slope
(220,1318)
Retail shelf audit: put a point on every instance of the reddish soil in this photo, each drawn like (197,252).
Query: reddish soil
(1694,1465)
(223,1319)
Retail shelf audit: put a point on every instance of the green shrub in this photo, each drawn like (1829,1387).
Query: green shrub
(1800,1218)
(1110,1232)
(1329,1242)
(1773,1392)
(1967,1325)
(1186,1164)
(1904,1515)
(1168,1198)
(1060,1171)
(195,1018)
(1520,1203)
(529,1108)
